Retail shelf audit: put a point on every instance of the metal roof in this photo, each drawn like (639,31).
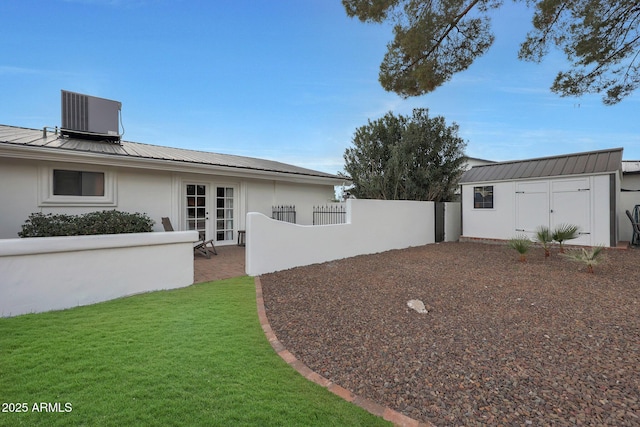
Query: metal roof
(592,162)
(631,166)
(37,138)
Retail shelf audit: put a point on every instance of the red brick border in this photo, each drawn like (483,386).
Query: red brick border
(388,414)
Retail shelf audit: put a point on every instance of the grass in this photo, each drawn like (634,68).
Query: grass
(192,356)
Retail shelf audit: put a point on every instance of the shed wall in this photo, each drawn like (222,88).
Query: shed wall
(523,205)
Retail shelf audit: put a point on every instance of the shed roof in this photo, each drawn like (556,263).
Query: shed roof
(36,138)
(591,162)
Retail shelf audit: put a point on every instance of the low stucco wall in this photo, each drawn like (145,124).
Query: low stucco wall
(52,273)
(372,226)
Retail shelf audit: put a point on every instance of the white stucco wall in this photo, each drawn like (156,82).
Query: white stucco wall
(601,209)
(158,193)
(18,195)
(372,226)
(53,273)
(264,195)
(628,200)
(147,192)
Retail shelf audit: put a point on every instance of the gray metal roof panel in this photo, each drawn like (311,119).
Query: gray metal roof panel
(35,138)
(601,161)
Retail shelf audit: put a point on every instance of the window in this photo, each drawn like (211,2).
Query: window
(64,185)
(77,183)
(483,197)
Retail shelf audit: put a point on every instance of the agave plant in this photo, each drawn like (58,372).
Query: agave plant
(521,244)
(563,233)
(591,257)
(543,236)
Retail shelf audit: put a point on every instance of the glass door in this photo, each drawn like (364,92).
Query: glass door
(197,211)
(225,214)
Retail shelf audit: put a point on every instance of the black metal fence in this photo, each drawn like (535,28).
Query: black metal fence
(285,213)
(330,214)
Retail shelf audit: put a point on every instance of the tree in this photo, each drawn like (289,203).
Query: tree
(405,158)
(434,39)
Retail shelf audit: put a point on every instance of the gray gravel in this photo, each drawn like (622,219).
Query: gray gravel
(504,343)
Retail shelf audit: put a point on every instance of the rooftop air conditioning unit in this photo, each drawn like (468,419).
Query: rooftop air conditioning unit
(90,117)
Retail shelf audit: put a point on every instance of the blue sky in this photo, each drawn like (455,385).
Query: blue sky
(288,80)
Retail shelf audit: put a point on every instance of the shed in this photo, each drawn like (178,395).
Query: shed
(505,199)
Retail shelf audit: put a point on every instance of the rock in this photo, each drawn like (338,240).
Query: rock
(417,305)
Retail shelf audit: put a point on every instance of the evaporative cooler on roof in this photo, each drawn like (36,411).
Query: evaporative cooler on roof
(90,117)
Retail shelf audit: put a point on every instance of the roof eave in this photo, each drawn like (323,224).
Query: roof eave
(115,160)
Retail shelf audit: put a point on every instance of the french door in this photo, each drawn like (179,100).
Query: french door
(225,214)
(197,214)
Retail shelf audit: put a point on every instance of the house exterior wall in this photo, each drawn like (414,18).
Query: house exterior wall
(26,187)
(628,200)
(18,195)
(601,233)
(581,200)
(262,196)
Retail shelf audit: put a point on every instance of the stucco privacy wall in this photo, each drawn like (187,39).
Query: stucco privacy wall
(372,226)
(53,273)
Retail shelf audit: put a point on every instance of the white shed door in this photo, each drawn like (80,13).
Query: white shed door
(571,204)
(532,206)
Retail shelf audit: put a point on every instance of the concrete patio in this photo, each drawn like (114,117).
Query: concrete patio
(228,263)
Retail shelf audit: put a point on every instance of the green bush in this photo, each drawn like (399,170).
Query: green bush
(104,222)
(521,244)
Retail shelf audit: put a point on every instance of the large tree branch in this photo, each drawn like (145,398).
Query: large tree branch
(451,26)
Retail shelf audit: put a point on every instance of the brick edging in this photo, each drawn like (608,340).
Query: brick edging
(374,408)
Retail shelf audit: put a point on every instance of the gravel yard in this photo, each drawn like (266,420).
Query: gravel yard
(503,343)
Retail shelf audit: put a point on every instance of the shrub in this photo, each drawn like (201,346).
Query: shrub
(543,236)
(563,233)
(521,244)
(589,257)
(104,222)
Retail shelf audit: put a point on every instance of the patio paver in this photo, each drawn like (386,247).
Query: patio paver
(227,264)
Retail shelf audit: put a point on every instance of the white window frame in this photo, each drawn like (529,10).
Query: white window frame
(483,207)
(47,198)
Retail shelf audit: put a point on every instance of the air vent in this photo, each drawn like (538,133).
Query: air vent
(90,117)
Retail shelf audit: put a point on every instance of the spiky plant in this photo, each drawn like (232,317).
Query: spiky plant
(565,232)
(543,236)
(591,257)
(521,244)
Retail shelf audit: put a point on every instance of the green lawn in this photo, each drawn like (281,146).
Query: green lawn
(192,356)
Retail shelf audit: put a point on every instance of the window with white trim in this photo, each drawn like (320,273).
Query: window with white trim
(483,197)
(68,185)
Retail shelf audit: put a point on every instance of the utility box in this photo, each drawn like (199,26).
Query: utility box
(90,117)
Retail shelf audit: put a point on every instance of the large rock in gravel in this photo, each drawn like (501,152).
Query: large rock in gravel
(417,305)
